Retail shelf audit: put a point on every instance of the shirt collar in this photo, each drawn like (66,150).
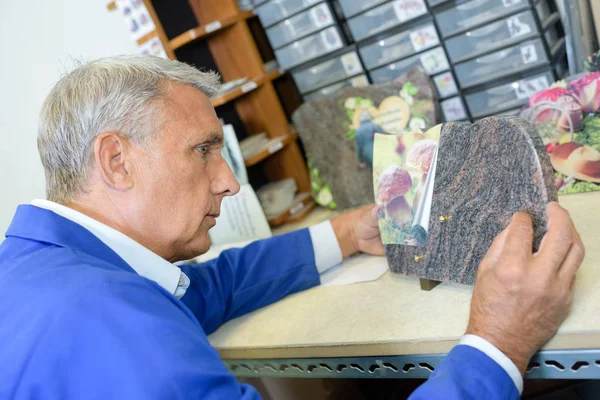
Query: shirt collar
(143,261)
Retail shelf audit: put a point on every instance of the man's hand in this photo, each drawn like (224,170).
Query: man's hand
(358,230)
(520,299)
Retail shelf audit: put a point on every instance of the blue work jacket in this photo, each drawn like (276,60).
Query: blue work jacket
(77,322)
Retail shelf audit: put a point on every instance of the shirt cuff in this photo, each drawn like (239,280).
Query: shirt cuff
(499,357)
(325,245)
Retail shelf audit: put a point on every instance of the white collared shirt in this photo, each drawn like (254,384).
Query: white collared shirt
(151,266)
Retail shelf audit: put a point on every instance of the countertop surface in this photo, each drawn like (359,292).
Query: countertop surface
(393,316)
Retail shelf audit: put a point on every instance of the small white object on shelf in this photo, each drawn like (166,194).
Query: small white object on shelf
(253,144)
(276,197)
(227,86)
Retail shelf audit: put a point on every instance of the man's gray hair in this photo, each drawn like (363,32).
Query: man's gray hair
(113,94)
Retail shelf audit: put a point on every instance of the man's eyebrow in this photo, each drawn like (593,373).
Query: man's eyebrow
(213,138)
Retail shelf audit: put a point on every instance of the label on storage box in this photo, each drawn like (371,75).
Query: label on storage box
(453,109)
(320,15)
(409,9)
(424,38)
(526,87)
(331,39)
(351,63)
(434,61)
(529,54)
(517,28)
(445,84)
(359,81)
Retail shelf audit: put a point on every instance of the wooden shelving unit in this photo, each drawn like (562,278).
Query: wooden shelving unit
(274,146)
(202,32)
(245,88)
(222,26)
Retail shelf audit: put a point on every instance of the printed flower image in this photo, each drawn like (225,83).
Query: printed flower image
(586,90)
(417,123)
(567,117)
(392,185)
(324,197)
(401,164)
(320,190)
(350,103)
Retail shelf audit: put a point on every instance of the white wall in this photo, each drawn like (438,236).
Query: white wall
(38,39)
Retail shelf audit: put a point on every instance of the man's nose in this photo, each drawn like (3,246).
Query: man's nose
(224,182)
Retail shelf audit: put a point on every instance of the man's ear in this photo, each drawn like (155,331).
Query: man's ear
(112,156)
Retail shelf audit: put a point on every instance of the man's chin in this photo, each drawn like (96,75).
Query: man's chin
(201,247)
(194,249)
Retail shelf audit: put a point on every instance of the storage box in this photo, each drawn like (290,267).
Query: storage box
(519,58)
(358,81)
(491,37)
(326,72)
(507,96)
(384,17)
(274,11)
(353,7)
(470,14)
(300,25)
(552,36)
(310,47)
(398,46)
(544,10)
(433,61)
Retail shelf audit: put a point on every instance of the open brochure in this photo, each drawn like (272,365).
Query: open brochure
(242,219)
(232,154)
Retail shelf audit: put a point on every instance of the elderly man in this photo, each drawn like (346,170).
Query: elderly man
(92,306)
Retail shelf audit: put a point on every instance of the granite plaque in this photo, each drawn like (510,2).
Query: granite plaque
(484,173)
(338,133)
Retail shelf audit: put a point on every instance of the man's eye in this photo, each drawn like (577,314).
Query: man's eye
(203,149)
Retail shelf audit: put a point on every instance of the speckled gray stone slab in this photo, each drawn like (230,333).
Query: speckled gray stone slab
(485,172)
(341,176)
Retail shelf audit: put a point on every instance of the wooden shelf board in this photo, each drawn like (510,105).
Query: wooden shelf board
(276,144)
(208,29)
(291,213)
(147,37)
(245,88)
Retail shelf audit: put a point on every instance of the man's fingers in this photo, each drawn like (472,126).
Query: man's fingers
(519,236)
(371,216)
(570,266)
(495,251)
(376,248)
(558,240)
